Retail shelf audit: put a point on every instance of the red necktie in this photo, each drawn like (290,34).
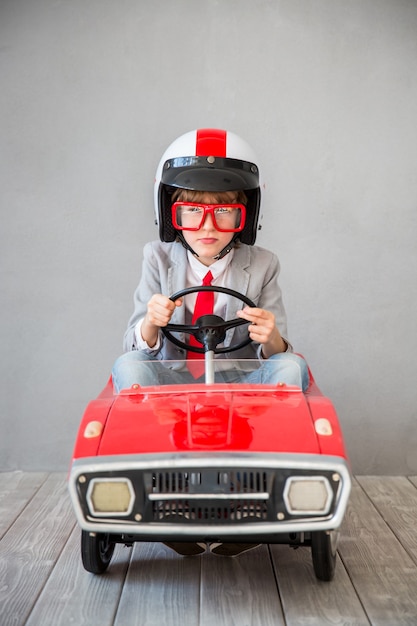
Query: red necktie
(203,306)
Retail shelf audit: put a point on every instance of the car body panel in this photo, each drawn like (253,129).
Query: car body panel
(218,432)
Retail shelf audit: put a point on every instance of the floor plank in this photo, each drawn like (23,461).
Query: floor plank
(16,489)
(310,602)
(73,596)
(30,548)
(161,587)
(382,572)
(413,479)
(240,591)
(395,497)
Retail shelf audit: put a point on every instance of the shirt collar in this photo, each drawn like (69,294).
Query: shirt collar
(216,268)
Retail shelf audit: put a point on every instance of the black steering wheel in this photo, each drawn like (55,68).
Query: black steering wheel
(210,330)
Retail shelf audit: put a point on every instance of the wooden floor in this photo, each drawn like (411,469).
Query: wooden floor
(43,583)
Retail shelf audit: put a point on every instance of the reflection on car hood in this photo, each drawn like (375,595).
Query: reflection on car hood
(217,417)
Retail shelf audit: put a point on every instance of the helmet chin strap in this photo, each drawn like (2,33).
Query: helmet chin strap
(219,256)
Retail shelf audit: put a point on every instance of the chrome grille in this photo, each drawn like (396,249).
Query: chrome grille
(218,496)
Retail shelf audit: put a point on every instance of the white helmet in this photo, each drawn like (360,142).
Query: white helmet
(207,159)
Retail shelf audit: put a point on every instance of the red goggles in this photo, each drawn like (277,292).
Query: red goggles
(227,218)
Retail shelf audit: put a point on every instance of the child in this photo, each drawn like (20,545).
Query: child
(207,202)
(208,167)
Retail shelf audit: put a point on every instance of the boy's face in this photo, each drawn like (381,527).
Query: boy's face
(207,242)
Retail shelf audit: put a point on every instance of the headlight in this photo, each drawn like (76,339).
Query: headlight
(110,496)
(310,495)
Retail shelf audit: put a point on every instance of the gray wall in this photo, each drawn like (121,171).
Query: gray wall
(91,94)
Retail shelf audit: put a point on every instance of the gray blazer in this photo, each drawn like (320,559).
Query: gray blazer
(253,271)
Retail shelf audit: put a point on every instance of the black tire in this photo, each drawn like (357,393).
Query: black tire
(96,551)
(323,552)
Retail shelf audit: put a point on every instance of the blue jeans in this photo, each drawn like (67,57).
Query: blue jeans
(137,367)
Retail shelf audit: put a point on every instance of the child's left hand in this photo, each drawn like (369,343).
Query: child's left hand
(262,329)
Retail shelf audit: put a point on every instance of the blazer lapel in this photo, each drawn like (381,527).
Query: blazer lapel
(238,280)
(177,278)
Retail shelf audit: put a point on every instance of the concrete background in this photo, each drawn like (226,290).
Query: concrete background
(91,95)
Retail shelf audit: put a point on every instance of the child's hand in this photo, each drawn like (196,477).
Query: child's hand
(262,329)
(160,310)
(159,313)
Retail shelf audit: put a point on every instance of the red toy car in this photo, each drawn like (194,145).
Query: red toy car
(210,462)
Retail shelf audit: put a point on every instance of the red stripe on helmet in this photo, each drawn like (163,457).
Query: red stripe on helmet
(211,142)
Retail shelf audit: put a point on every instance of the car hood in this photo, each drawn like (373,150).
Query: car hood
(219,417)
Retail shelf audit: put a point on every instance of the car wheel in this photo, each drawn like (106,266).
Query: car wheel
(323,552)
(96,551)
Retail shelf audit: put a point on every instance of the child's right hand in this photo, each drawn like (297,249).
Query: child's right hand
(159,313)
(160,310)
